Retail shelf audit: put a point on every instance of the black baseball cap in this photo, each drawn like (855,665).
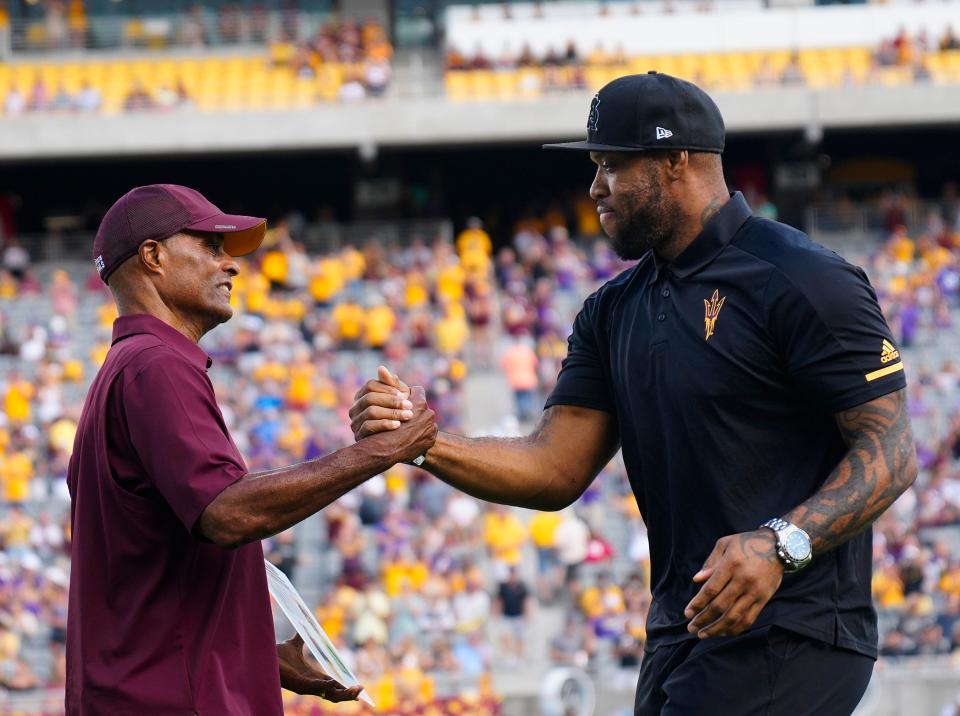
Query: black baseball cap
(640,113)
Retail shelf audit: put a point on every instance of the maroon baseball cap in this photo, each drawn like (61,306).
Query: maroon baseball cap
(158,211)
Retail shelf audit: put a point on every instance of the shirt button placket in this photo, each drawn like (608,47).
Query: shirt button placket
(663,305)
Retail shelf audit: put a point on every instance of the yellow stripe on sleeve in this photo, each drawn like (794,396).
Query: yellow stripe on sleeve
(896,367)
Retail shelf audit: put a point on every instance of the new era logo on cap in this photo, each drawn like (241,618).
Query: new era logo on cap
(98,262)
(663,133)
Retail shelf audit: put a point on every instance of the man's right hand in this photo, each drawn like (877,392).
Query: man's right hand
(380,405)
(403,438)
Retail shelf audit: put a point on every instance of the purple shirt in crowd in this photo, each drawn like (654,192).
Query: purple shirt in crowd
(160,620)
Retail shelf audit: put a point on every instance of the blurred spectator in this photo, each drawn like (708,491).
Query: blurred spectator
(574,646)
(39,98)
(376,77)
(138,99)
(513,605)
(792,74)
(16,260)
(472,607)
(193,28)
(352,90)
(63,295)
(543,532)
(949,41)
(46,537)
(62,100)
(505,536)
(89,98)
(14,104)
(15,529)
(572,538)
(519,364)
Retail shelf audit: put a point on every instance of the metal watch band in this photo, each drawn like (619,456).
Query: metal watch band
(776,524)
(782,529)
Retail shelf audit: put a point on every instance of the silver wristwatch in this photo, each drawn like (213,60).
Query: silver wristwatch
(793,544)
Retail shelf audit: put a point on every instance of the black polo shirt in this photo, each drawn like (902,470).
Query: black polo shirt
(724,370)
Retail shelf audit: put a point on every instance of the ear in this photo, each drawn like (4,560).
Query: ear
(152,256)
(677,163)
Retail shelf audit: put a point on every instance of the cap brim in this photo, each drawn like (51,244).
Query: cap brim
(592,147)
(242,235)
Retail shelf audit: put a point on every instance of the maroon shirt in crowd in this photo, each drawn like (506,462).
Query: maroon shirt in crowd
(160,620)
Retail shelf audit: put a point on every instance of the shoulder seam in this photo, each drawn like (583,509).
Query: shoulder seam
(754,256)
(771,268)
(806,298)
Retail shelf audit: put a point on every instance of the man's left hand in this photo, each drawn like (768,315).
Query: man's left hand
(739,577)
(298,676)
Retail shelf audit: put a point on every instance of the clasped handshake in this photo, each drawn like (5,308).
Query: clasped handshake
(393,418)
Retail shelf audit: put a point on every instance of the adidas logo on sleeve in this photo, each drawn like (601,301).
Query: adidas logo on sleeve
(888,352)
(890,357)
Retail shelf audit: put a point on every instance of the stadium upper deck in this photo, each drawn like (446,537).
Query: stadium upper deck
(805,68)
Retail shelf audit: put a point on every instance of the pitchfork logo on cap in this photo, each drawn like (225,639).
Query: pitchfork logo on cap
(594,117)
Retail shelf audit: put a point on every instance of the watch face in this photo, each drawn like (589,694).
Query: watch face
(797,545)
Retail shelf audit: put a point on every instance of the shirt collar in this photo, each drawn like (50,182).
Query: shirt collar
(126,326)
(718,232)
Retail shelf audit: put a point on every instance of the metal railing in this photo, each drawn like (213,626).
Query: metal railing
(868,220)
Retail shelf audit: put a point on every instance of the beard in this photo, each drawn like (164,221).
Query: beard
(648,226)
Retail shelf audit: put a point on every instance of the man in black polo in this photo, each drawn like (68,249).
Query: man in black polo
(758,397)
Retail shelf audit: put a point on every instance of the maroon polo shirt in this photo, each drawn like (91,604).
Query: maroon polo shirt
(160,620)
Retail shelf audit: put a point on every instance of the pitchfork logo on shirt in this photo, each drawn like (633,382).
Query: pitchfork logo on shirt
(594,117)
(711,312)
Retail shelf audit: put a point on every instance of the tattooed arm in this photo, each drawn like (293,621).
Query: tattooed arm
(880,464)
(743,572)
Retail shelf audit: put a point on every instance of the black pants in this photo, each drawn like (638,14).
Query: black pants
(764,672)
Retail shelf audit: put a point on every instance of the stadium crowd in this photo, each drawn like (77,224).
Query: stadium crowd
(427,591)
(362,46)
(344,60)
(570,65)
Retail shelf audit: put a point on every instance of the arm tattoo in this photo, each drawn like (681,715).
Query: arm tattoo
(879,465)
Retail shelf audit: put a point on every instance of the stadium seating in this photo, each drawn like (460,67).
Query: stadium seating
(826,68)
(213,83)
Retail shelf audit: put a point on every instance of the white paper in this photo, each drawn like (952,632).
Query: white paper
(302,619)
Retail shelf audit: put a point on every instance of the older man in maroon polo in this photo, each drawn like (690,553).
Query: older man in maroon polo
(169,610)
